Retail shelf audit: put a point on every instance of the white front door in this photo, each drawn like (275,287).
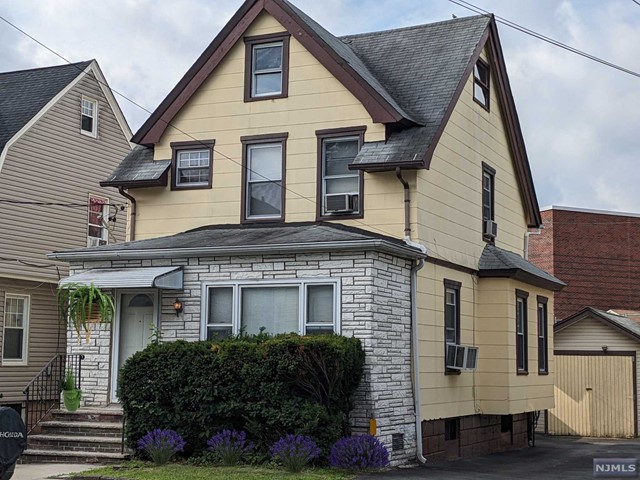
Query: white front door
(133,330)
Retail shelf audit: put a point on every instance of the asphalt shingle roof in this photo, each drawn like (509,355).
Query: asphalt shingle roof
(421,68)
(623,322)
(24,93)
(238,239)
(496,262)
(139,167)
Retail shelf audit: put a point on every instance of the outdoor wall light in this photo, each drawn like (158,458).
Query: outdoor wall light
(604,348)
(177,306)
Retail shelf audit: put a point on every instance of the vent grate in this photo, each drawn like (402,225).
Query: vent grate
(397,441)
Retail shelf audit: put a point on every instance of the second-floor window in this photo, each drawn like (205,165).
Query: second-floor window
(97,233)
(481,83)
(15,329)
(266,66)
(543,342)
(263,172)
(451,319)
(192,164)
(339,188)
(489,227)
(521,332)
(89,117)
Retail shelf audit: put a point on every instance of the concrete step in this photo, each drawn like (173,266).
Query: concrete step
(81,428)
(74,443)
(102,415)
(60,456)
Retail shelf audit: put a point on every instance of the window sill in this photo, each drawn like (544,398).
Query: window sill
(191,187)
(448,372)
(265,97)
(263,220)
(16,363)
(522,372)
(543,373)
(339,216)
(89,134)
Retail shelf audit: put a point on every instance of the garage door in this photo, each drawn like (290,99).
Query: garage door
(594,396)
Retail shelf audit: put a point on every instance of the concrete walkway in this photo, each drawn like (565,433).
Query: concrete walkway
(40,471)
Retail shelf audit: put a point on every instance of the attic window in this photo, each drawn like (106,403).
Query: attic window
(266,67)
(481,83)
(89,117)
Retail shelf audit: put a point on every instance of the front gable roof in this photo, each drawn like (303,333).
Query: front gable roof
(333,54)
(24,93)
(622,323)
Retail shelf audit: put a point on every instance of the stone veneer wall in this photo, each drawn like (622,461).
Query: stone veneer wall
(375,307)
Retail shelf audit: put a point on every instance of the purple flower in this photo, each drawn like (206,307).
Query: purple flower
(358,452)
(161,445)
(294,451)
(230,445)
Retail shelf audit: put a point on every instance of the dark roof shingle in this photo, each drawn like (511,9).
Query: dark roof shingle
(139,169)
(24,93)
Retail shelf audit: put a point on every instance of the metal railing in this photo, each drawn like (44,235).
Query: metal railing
(43,392)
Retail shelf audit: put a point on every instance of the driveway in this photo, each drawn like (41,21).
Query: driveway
(551,458)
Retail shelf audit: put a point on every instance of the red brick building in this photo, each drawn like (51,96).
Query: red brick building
(597,253)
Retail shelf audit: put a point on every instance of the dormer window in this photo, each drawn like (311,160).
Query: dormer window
(89,117)
(481,83)
(266,67)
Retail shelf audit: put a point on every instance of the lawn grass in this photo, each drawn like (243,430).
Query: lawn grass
(148,471)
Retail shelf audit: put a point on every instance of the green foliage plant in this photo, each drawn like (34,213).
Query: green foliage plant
(84,305)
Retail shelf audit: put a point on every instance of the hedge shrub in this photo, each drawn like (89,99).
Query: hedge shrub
(266,386)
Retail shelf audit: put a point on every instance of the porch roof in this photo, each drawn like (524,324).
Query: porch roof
(140,277)
(251,239)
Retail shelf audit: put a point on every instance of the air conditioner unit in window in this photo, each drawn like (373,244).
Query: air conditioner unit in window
(340,203)
(95,242)
(490,229)
(461,357)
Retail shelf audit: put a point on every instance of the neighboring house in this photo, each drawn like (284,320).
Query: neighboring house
(374,185)
(595,252)
(596,374)
(61,131)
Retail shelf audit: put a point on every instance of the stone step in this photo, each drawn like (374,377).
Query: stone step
(89,415)
(81,428)
(52,456)
(73,443)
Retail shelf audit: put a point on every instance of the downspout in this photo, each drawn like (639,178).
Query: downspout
(132,226)
(414,316)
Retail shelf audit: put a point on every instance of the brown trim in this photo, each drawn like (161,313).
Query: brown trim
(159,182)
(540,300)
(321,135)
(247,141)
(491,172)
(521,294)
(596,353)
(177,147)
(387,166)
(457,286)
(380,109)
(453,266)
(482,85)
(250,42)
(508,109)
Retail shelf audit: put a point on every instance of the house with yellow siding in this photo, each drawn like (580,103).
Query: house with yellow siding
(374,185)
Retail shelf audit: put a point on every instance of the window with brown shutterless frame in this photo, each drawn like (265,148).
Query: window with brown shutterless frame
(266,67)
(481,76)
(543,336)
(192,164)
(522,343)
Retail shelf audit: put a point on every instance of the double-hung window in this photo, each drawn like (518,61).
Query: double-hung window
(98,216)
(192,164)
(521,332)
(266,66)
(263,177)
(489,227)
(89,117)
(451,320)
(15,329)
(339,188)
(307,307)
(543,340)
(481,83)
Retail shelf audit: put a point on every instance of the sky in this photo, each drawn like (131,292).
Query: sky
(580,119)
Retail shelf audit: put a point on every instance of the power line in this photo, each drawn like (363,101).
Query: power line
(28,264)
(539,36)
(636,2)
(309,199)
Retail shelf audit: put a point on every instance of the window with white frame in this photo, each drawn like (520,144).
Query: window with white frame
(307,307)
(193,168)
(98,216)
(89,117)
(15,329)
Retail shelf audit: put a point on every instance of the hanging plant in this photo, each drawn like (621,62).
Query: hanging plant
(84,306)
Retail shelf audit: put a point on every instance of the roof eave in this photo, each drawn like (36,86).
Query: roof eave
(387,166)
(523,276)
(366,245)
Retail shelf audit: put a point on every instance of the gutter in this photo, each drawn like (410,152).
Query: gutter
(414,316)
(101,253)
(132,226)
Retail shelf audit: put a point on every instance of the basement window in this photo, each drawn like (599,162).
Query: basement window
(451,429)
